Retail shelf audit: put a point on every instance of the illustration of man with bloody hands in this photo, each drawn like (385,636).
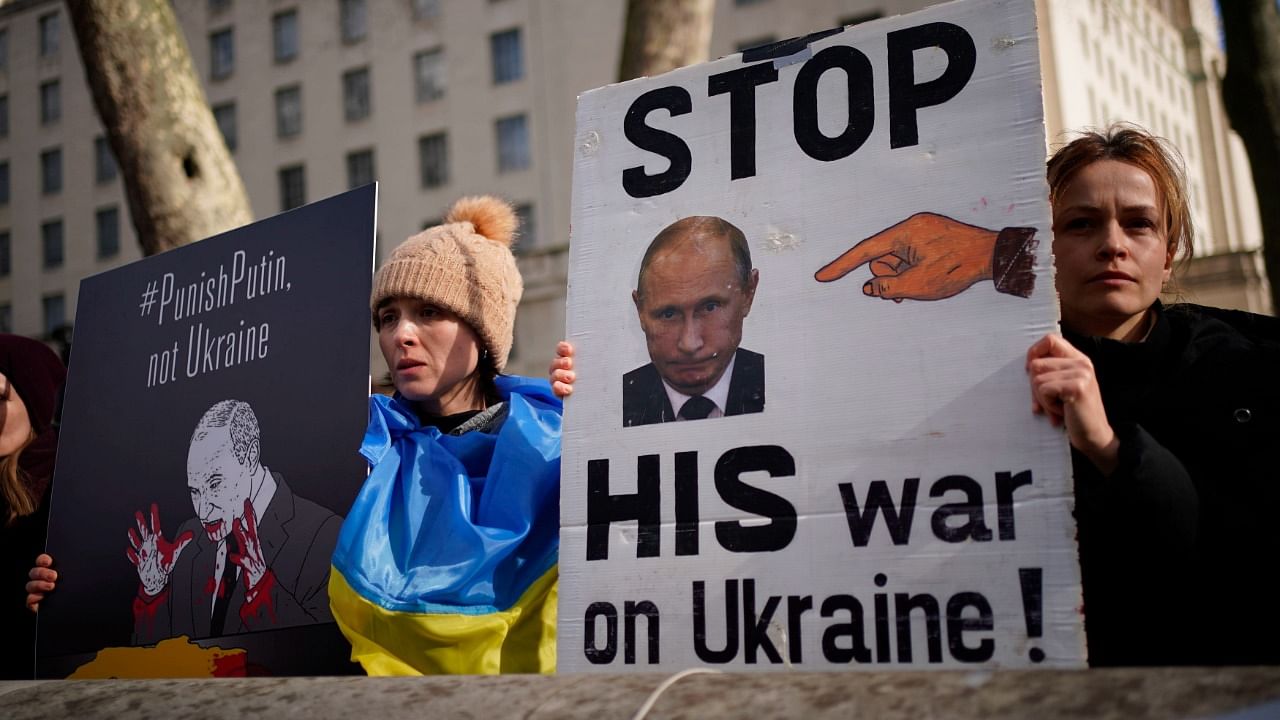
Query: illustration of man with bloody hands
(933,257)
(255,556)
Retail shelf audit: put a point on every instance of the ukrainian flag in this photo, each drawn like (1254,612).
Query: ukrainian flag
(447,562)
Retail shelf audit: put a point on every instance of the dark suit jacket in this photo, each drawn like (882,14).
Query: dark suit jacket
(297,537)
(645,401)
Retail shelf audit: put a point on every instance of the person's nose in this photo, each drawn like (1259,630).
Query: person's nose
(202,507)
(406,333)
(690,336)
(1112,242)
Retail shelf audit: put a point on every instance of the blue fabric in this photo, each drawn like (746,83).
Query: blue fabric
(456,523)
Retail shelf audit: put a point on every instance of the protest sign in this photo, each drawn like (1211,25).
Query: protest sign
(767,463)
(216,400)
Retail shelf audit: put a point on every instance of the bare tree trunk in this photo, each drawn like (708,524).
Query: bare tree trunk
(1251,95)
(179,177)
(663,35)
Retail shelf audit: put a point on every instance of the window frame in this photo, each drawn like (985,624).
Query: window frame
(353,110)
(286,129)
(440,178)
(512,158)
(509,67)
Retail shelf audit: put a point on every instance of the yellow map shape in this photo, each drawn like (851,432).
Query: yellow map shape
(173,658)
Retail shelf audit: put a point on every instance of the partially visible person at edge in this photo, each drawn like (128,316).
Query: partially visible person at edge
(1168,410)
(1171,413)
(31,377)
(447,562)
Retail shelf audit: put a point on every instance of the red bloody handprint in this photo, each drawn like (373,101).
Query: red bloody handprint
(152,555)
(250,558)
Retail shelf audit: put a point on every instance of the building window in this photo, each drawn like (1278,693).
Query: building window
(51,171)
(104,162)
(433,160)
(4,116)
(505,50)
(6,318)
(293,187)
(218,6)
(4,49)
(222,54)
(527,239)
(49,35)
(225,116)
(51,242)
(288,111)
(50,102)
(355,94)
(355,23)
(359,168)
(284,35)
(428,72)
(513,143)
(6,262)
(4,183)
(55,313)
(108,221)
(425,9)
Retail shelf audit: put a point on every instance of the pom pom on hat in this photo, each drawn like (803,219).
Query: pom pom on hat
(491,217)
(465,266)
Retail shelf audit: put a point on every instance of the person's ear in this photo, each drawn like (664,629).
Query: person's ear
(254,456)
(1168,261)
(752,283)
(635,298)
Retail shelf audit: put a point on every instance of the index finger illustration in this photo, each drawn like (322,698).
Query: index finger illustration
(155,519)
(882,243)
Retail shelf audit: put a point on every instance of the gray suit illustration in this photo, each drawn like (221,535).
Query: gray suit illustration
(256,556)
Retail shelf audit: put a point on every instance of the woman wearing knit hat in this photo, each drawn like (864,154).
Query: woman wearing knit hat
(31,376)
(447,562)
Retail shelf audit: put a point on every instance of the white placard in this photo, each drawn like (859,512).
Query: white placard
(873,491)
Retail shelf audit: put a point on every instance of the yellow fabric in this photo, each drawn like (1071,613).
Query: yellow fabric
(385,642)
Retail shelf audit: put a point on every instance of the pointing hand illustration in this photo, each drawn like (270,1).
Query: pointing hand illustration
(152,555)
(925,257)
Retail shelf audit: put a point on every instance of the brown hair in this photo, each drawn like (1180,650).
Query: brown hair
(1135,146)
(707,225)
(19,499)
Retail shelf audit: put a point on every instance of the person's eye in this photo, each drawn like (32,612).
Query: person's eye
(386,319)
(666,314)
(1142,224)
(711,306)
(1079,224)
(428,312)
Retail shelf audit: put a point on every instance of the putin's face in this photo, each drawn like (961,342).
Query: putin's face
(692,302)
(219,483)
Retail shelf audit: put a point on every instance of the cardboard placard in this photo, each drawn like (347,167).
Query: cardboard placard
(870,488)
(215,404)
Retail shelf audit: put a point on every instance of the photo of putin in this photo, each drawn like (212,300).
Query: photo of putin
(695,286)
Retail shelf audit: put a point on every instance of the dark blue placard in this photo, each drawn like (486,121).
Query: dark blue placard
(288,296)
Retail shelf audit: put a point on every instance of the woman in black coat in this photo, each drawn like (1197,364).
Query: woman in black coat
(1169,411)
(31,376)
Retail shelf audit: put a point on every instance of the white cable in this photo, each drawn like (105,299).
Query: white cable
(657,692)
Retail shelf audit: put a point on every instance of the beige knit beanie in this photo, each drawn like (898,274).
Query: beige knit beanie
(465,266)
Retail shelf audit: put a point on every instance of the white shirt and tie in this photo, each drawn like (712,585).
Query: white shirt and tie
(691,407)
